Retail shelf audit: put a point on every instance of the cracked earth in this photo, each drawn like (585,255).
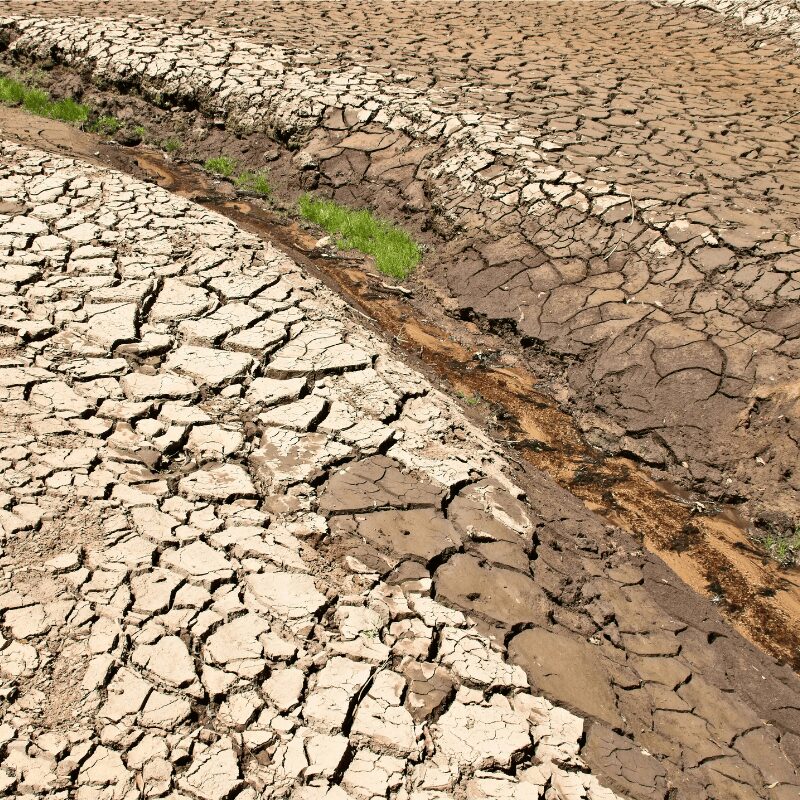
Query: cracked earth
(611,205)
(248,552)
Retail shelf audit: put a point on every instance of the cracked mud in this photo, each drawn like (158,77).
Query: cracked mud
(163,575)
(639,231)
(240,577)
(247,552)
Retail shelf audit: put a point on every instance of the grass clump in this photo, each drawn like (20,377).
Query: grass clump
(39,102)
(395,252)
(172,145)
(69,111)
(469,399)
(222,166)
(247,180)
(783,547)
(105,126)
(254,182)
(12,93)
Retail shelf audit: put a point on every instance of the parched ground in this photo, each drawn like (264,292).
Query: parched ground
(620,186)
(191,428)
(249,553)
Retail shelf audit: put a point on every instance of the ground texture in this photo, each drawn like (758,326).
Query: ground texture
(625,181)
(249,553)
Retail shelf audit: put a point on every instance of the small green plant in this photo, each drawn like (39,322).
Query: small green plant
(469,399)
(105,126)
(12,92)
(395,252)
(39,102)
(140,131)
(222,166)
(172,145)
(69,110)
(783,548)
(254,182)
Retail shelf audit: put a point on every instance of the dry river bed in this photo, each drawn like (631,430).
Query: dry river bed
(709,551)
(248,553)
(251,553)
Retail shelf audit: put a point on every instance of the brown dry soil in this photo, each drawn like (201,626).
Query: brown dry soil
(672,695)
(698,661)
(713,553)
(683,358)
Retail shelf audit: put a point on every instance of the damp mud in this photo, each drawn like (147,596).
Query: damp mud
(707,546)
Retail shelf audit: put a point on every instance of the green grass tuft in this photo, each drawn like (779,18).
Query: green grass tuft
(105,126)
(39,102)
(783,548)
(222,166)
(69,111)
(247,180)
(172,145)
(12,92)
(395,252)
(254,182)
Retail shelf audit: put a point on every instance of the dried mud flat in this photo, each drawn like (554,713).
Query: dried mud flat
(249,552)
